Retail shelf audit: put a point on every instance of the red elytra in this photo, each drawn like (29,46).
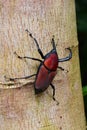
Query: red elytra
(47,68)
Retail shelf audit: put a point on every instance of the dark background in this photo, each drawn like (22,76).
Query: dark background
(81,16)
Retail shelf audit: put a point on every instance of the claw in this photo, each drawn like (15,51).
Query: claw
(18,55)
(8,79)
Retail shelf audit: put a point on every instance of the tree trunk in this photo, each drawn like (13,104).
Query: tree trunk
(21,109)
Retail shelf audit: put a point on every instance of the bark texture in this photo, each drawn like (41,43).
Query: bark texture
(20,109)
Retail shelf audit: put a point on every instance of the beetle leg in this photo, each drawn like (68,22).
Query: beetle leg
(53,87)
(53,43)
(38,48)
(53,91)
(62,68)
(66,58)
(20,57)
(13,79)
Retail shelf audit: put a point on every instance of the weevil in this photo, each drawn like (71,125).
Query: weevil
(47,69)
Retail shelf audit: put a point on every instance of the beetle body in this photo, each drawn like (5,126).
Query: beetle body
(46,72)
(47,69)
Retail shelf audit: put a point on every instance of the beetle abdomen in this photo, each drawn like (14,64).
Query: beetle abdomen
(43,79)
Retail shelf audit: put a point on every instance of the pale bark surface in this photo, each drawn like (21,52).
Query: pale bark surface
(20,109)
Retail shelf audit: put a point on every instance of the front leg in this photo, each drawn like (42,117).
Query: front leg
(66,58)
(37,45)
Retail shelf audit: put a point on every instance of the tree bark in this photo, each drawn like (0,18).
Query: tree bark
(21,109)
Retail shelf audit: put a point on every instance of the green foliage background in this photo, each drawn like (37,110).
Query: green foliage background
(81,15)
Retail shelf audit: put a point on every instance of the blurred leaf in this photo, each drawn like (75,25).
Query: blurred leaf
(81,11)
(84,90)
